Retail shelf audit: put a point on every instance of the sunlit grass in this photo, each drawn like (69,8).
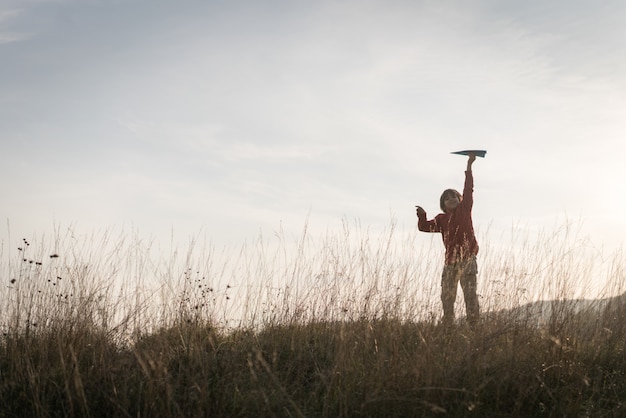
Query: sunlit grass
(343,324)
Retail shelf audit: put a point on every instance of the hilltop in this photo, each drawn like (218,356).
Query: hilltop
(365,367)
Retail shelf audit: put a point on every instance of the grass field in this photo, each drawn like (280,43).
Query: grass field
(340,325)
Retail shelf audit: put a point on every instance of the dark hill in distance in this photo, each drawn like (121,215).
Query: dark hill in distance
(543,312)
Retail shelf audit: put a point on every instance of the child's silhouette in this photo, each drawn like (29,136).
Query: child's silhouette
(457,231)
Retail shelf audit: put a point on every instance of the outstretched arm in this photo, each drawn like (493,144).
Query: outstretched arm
(423,224)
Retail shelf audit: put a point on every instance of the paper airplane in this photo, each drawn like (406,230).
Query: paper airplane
(477,152)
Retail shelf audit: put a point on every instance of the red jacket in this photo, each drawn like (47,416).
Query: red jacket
(456,227)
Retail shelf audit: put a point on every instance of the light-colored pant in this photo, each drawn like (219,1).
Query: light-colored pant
(465,272)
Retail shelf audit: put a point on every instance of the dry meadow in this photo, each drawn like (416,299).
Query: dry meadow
(340,325)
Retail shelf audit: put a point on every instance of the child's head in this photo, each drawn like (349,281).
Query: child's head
(449,200)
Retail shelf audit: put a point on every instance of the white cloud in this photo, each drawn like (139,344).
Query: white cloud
(9,14)
(8,37)
(11,36)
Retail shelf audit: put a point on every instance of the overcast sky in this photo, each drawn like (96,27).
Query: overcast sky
(235,117)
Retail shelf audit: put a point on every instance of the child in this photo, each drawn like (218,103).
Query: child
(457,231)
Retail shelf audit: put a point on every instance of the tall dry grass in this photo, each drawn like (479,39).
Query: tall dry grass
(343,324)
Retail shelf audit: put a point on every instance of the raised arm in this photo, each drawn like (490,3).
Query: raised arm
(470,161)
(468,188)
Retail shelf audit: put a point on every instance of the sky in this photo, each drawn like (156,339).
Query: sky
(235,118)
